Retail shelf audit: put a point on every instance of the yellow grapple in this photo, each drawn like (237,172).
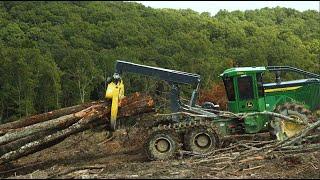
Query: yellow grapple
(115,92)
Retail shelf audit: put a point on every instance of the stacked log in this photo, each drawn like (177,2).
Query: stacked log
(35,133)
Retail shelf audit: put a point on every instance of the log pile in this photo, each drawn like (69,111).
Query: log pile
(32,134)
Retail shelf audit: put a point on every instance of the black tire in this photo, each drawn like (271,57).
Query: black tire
(296,111)
(200,140)
(155,145)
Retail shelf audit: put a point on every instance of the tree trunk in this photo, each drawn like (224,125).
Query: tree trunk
(44,117)
(19,94)
(20,142)
(34,146)
(63,121)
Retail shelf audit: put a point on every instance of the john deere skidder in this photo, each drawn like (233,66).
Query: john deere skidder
(204,126)
(297,99)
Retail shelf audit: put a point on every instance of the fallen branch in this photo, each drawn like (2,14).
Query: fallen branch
(251,159)
(76,169)
(256,167)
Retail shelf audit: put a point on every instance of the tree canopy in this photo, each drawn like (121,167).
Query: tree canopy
(57,54)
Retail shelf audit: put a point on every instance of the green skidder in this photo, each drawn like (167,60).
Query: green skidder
(298,99)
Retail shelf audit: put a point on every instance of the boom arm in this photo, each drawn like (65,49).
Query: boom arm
(278,69)
(164,74)
(115,90)
(173,77)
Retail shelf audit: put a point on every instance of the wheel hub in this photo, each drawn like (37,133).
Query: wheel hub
(203,140)
(163,145)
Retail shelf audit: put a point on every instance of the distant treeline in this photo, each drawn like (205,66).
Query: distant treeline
(57,54)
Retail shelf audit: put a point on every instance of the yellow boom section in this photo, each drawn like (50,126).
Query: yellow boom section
(115,92)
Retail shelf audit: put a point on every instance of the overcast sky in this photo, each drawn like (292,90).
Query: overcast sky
(214,6)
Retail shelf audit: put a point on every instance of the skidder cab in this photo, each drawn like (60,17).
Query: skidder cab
(297,99)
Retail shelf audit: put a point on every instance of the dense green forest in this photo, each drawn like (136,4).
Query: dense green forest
(57,54)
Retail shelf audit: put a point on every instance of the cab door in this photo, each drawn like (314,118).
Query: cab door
(248,95)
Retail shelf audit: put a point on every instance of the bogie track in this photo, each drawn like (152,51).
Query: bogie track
(196,135)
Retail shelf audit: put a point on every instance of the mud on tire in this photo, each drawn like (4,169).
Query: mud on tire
(200,140)
(161,145)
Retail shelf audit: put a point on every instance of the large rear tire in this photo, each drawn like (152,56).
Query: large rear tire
(283,129)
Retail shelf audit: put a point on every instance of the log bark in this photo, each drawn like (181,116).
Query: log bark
(21,142)
(34,146)
(44,117)
(96,115)
(135,105)
(63,121)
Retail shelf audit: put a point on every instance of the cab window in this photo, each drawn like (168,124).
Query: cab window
(228,83)
(245,86)
(260,85)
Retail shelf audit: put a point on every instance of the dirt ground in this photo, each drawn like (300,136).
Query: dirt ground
(90,155)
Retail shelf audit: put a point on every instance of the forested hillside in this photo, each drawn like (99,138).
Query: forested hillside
(57,54)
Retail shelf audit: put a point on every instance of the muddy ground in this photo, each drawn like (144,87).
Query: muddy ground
(90,154)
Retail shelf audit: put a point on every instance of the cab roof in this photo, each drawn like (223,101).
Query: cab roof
(242,70)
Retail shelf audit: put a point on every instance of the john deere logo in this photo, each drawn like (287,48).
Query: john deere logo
(249,104)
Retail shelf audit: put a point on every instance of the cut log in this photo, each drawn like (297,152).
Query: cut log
(93,117)
(21,142)
(34,146)
(45,116)
(135,107)
(63,121)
